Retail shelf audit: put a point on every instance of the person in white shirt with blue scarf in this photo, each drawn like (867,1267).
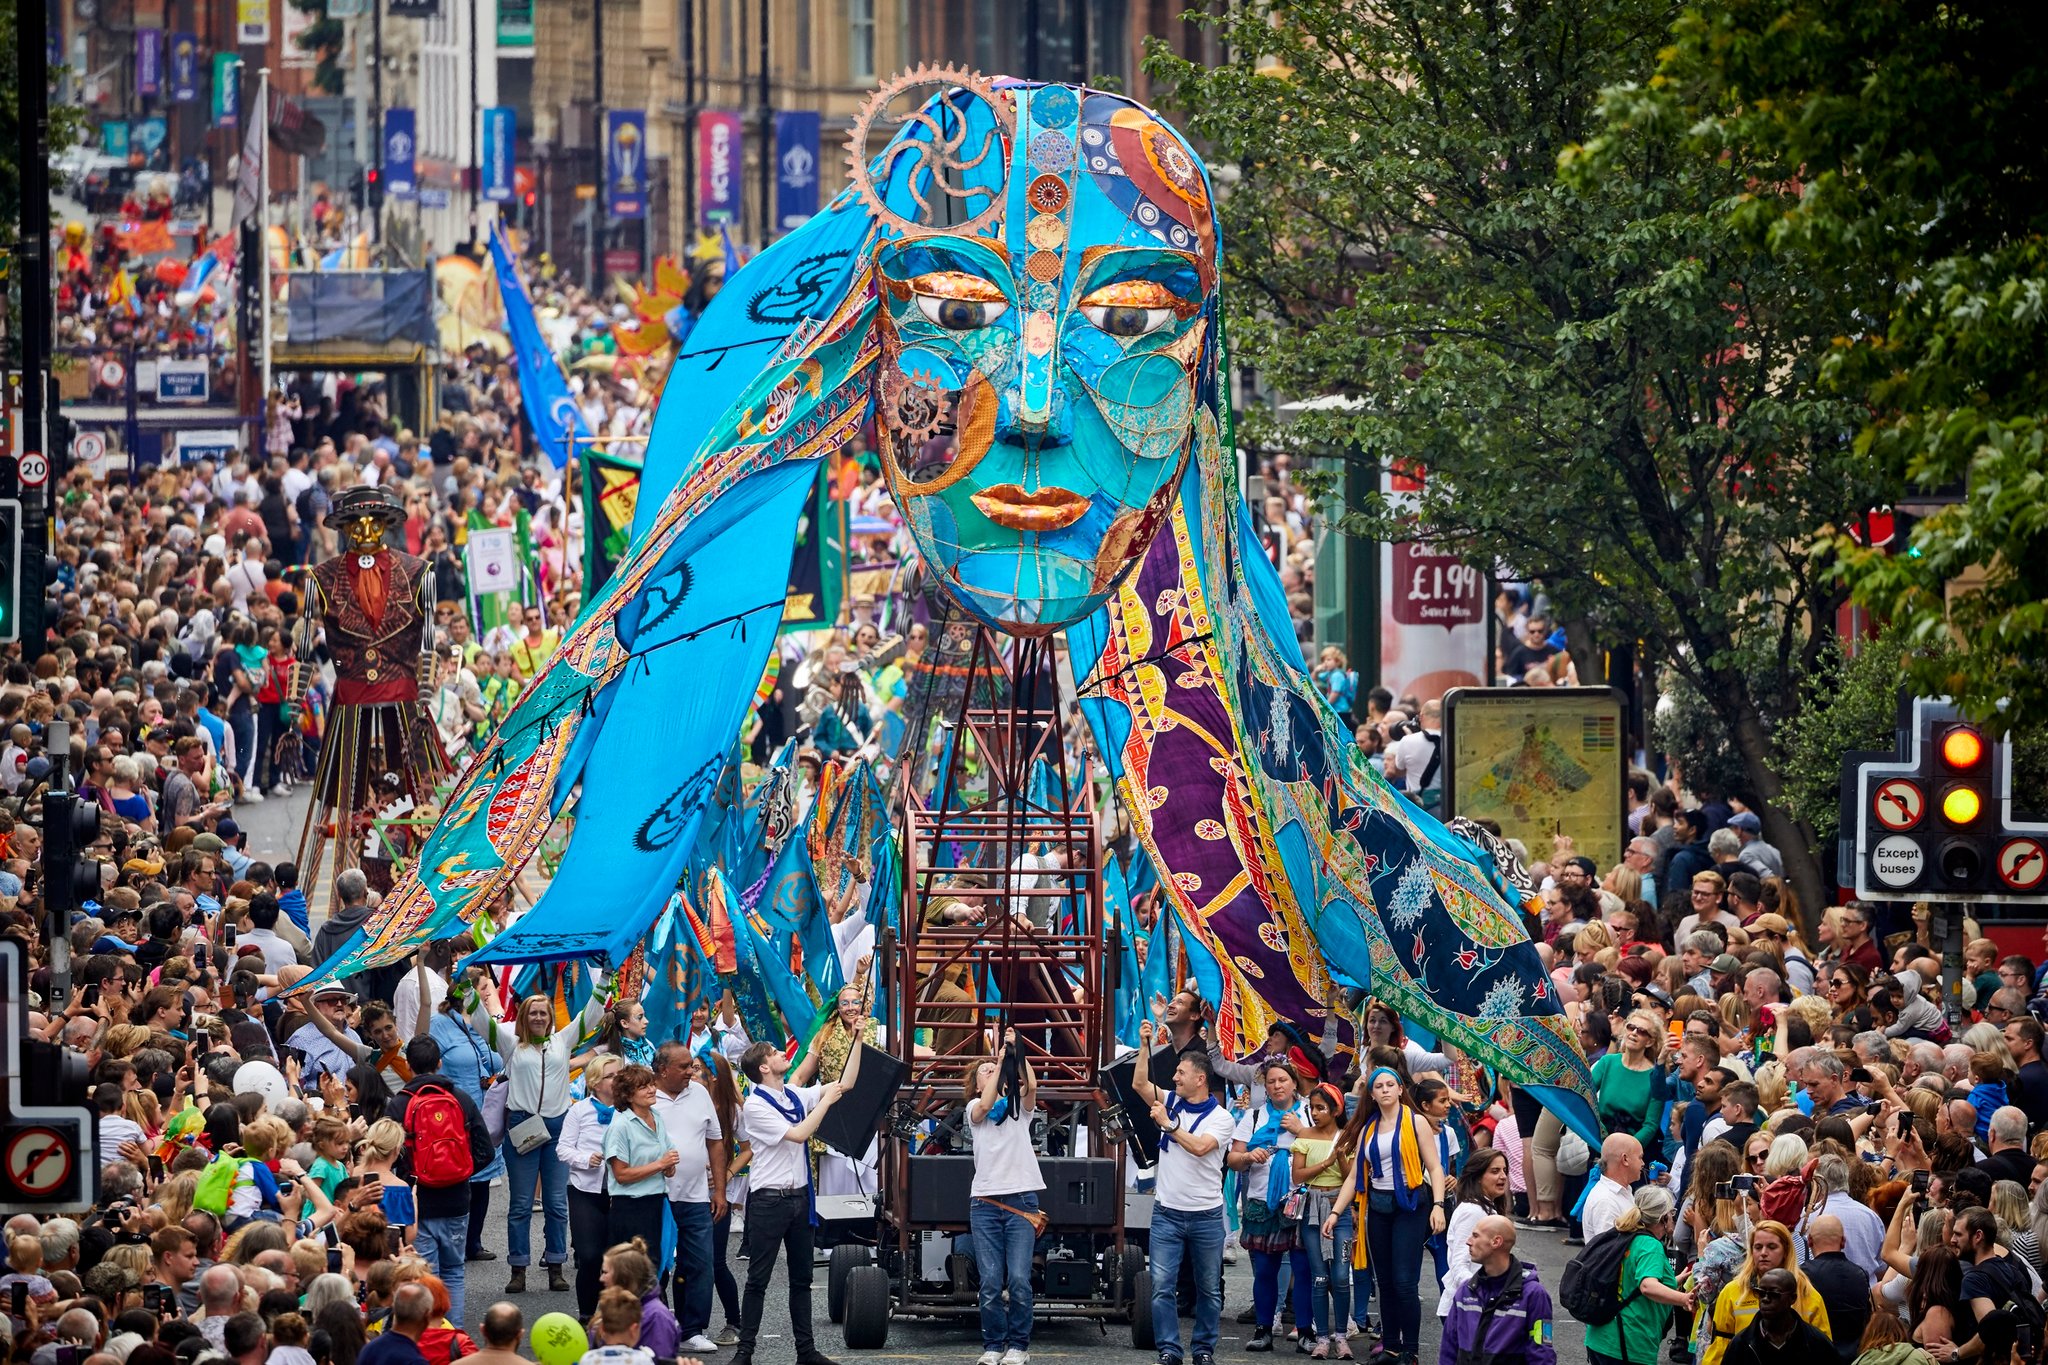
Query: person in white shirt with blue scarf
(1187,1212)
(1259,1154)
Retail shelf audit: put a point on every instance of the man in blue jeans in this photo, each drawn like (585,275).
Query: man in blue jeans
(442,1238)
(696,1188)
(1187,1211)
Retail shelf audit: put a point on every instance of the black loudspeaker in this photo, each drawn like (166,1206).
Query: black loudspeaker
(1070,1279)
(849,1126)
(1081,1192)
(940,1188)
(1143,1143)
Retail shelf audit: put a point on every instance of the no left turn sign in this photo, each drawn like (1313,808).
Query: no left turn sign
(38,1161)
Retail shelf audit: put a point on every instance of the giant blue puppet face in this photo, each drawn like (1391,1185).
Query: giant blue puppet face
(1047,270)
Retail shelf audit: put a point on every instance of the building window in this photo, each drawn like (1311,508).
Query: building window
(803,37)
(860,39)
(726,25)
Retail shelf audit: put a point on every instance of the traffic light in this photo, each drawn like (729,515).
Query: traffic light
(71,876)
(1935,821)
(11,575)
(47,1120)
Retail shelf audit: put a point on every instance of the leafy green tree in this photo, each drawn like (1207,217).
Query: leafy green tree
(1609,386)
(66,121)
(1896,148)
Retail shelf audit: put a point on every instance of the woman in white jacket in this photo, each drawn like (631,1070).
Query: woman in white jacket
(582,1151)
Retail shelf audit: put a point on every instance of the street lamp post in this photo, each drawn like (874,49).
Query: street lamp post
(476,140)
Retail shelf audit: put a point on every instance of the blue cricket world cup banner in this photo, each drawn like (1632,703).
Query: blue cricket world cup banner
(625,163)
(401,148)
(149,61)
(184,67)
(796,167)
(501,129)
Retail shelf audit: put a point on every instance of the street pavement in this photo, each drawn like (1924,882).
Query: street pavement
(273,828)
(959,1341)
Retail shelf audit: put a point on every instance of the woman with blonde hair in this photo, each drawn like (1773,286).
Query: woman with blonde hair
(1624,881)
(536,1054)
(1988,1037)
(1770,1087)
(1788,1153)
(1770,1248)
(1593,937)
(1738,1021)
(1626,1084)
(1632,1338)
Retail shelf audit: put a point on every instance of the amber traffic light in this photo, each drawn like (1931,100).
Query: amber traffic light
(1961,805)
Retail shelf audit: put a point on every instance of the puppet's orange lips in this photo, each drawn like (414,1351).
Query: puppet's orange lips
(1048,509)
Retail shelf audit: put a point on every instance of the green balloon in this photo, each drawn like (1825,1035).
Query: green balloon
(558,1339)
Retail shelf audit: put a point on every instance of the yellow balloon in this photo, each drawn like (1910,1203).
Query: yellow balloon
(558,1339)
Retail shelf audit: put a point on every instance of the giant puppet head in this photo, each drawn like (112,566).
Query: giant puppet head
(1046,269)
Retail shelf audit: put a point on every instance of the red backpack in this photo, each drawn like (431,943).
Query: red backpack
(440,1135)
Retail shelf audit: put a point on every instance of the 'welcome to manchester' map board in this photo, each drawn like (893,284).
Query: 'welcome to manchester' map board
(1539,760)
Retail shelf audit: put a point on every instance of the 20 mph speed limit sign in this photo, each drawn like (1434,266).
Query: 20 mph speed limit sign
(34,469)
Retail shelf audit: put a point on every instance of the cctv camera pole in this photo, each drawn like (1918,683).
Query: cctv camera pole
(1945,927)
(56,926)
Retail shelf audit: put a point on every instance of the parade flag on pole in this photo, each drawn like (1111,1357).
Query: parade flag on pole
(549,406)
(611,489)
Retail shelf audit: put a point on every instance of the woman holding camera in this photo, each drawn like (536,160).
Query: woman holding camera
(1002,1097)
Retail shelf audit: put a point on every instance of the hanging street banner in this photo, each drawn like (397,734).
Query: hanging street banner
(226,109)
(149,133)
(611,488)
(796,167)
(184,68)
(501,129)
(252,22)
(415,9)
(400,147)
(114,138)
(718,167)
(149,61)
(625,163)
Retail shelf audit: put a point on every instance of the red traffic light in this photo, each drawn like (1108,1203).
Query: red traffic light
(1962,748)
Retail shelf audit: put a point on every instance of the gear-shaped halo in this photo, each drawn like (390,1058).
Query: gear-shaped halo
(940,153)
(914,405)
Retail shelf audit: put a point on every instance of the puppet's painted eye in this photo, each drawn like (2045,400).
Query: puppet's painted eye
(1131,308)
(1122,321)
(958,301)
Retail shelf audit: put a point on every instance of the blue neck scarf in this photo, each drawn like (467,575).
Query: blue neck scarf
(1176,1106)
(793,1112)
(603,1111)
(1280,1170)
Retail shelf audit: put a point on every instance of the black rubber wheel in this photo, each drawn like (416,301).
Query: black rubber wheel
(846,1257)
(1127,1278)
(1141,1310)
(867,1306)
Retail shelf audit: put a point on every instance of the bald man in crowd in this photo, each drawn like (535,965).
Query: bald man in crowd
(1518,1327)
(1842,1285)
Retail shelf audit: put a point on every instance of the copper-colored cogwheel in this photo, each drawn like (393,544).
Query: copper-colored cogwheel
(941,149)
(914,405)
